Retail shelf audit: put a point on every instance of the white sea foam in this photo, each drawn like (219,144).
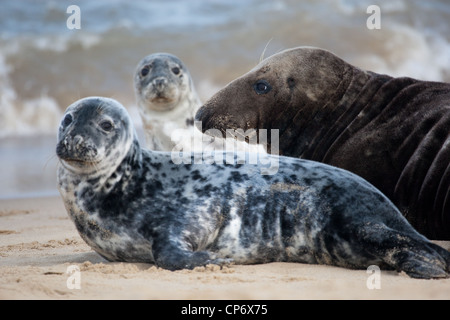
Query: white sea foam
(34,116)
(44,66)
(410,52)
(25,116)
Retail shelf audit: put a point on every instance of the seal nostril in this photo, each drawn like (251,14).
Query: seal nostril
(77,141)
(159,83)
(61,149)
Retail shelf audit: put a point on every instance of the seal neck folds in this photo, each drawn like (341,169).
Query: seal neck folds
(347,104)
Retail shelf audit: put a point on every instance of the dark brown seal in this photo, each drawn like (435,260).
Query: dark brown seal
(394,132)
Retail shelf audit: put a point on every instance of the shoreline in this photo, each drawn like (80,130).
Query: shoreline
(39,244)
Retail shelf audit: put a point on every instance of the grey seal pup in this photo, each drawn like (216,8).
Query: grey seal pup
(393,132)
(166,98)
(136,205)
(167,101)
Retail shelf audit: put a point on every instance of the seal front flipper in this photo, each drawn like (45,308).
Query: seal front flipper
(172,257)
(221,262)
(411,253)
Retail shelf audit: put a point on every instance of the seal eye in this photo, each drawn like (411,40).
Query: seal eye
(67,120)
(176,70)
(106,125)
(262,87)
(145,70)
(291,82)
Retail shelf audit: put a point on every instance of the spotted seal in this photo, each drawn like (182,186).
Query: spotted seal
(136,205)
(166,98)
(393,132)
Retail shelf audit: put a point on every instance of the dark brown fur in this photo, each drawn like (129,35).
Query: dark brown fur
(394,132)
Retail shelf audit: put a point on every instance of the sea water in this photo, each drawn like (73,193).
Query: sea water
(45,66)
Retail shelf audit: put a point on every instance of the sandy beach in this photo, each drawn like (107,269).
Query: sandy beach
(45,66)
(39,245)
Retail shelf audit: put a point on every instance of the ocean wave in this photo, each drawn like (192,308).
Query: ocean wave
(408,52)
(44,67)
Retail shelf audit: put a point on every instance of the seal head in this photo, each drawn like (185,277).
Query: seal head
(90,135)
(266,97)
(161,82)
(166,98)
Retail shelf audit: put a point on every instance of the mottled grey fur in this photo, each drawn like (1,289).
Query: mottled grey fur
(131,204)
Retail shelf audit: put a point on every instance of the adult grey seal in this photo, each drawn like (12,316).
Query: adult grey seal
(166,98)
(393,132)
(132,204)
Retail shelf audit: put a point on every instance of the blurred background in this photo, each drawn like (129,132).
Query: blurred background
(44,66)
